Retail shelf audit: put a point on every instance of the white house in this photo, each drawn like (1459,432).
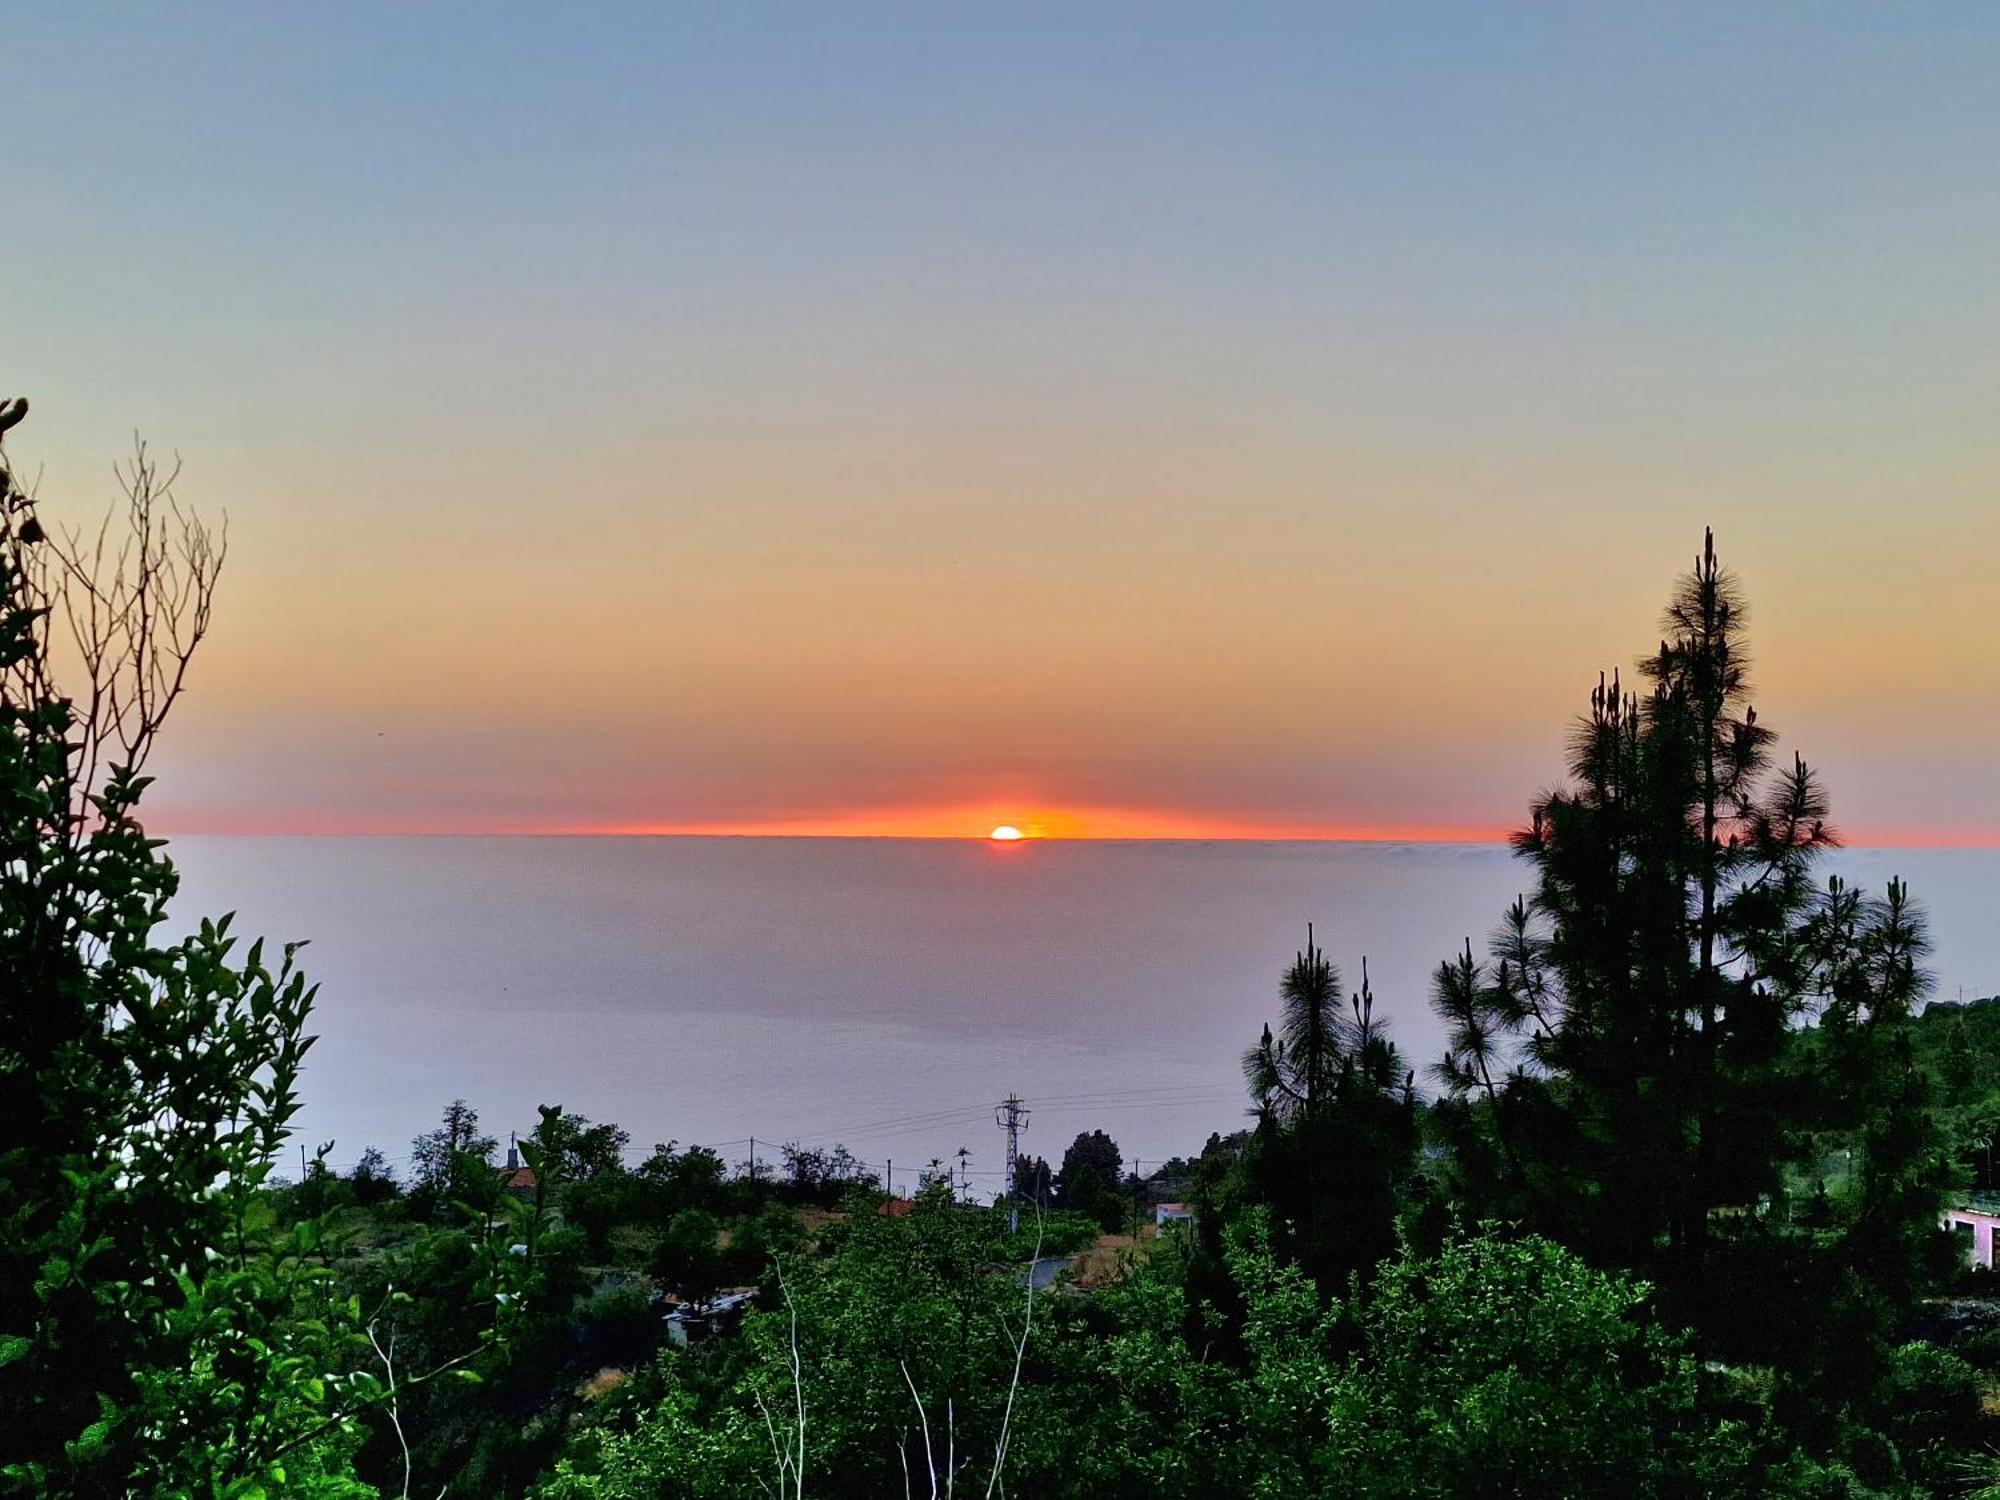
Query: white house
(1172,1213)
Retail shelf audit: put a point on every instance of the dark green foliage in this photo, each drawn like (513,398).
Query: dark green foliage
(1034,1182)
(451,1165)
(1959,1071)
(1046,1233)
(820,1177)
(470,1347)
(1088,1181)
(1181,1175)
(157,1333)
(601,1204)
(618,1326)
(1336,1123)
(1511,1368)
(900,1324)
(771,1234)
(690,1258)
(1959,1046)
(687,1179)
(579,1150)
(1498,1368)
(647,1198)
(1671,1031)
(1933,1410)
(373,1182)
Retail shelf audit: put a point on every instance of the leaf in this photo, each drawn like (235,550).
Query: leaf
(89,1443)
(14,1346)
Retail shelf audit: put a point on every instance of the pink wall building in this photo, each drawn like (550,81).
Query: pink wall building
(1975,1227)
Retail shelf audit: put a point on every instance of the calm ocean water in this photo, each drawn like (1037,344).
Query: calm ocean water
(881,993)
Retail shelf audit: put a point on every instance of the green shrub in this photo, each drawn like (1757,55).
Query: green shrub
(1931,1407)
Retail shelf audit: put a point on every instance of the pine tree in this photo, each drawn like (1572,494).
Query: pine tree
(1335,1114)
(1639,1062)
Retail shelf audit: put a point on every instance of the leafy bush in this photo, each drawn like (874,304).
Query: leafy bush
(1511,1367)
(158,1333)
(1499,1367)
(1931,1408)
(904,1329)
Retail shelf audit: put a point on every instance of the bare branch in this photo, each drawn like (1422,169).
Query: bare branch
(930,1459)
(1020,1353)
(388,1358)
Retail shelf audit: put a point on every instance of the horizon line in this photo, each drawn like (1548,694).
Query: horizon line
(1441,835)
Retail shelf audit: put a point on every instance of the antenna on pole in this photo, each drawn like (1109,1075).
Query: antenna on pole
(1011,1115)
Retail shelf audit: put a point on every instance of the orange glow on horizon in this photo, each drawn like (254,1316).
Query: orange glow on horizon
(1063,824)
(970,823)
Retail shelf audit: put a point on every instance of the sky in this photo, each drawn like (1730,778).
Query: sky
(1115,420)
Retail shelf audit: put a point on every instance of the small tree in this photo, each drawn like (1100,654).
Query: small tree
(451,1164)
(1335,1112)
(693,1178)
(1088,1181)
(374,1179)
(1033,1181)
(579,1149)
(689,1257)
(1959,1072)
(822,1176)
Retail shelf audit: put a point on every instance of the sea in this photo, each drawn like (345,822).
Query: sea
(882,994)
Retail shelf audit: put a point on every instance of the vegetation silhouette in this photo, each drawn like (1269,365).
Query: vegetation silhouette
(1670,1030)
(1668,1227)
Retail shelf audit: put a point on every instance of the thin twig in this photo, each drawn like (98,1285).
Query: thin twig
(1020,1353)
(387,1356)
(930,1460)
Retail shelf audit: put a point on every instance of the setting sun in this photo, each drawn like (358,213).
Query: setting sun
(1006,833)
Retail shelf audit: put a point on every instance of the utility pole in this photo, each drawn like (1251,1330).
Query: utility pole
(1011,1115)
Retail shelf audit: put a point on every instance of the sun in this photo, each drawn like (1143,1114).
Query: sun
(1006,833)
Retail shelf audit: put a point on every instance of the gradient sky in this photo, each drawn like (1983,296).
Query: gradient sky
(1102,418)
